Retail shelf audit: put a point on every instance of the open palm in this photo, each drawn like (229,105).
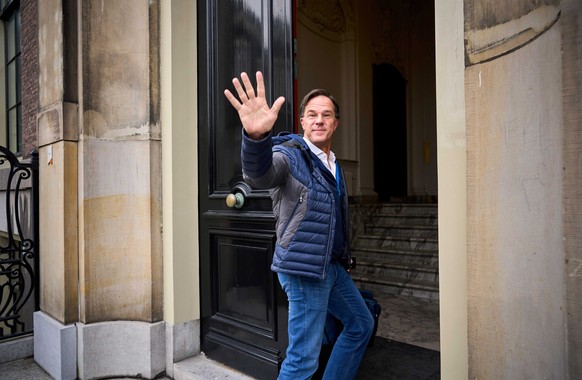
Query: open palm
(255,114)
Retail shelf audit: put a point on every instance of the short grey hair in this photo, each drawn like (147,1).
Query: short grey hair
(315,93)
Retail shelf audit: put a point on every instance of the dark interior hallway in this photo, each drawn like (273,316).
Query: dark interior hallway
(407,342)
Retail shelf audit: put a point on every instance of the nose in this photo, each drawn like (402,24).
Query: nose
(319,119)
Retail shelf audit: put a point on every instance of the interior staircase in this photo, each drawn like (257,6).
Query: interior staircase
(396,248)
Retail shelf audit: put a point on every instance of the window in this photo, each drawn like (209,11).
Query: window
(11,21)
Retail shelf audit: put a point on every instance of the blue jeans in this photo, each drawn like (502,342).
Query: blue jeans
(309,302)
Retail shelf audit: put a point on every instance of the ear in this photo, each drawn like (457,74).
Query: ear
(301,122)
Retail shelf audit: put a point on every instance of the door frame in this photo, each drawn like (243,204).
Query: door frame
(452,187)
(181,241)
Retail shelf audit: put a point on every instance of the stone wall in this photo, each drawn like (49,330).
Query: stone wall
(572,198)
(29,78)
(515,247)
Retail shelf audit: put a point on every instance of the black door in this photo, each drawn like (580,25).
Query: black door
(244,311)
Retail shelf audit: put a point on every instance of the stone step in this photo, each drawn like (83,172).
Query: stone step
(396,247)
(417,231)
(397,242)
(393,208)
(391,215)
(394,285)
(403,273)
(407,271)
(405,220)
(410,208)
(396,256)
(200,367)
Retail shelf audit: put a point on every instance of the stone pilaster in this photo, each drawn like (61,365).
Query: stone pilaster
(515,247)
(100,186)
(55,334)
(119,173)
(57,137)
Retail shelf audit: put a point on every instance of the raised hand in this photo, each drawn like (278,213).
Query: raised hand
(254,112)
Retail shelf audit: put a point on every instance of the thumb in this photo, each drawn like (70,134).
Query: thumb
(278,104)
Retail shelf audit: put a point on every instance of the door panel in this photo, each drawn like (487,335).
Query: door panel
(241,259)
(244,311)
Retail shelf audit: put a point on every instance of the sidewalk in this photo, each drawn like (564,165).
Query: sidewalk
(406,347)
(388,360)
(23,369)
(196,368)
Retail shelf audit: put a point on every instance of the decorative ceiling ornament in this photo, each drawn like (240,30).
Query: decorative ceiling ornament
(326,15)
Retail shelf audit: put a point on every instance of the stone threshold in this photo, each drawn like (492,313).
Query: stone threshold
(200,367)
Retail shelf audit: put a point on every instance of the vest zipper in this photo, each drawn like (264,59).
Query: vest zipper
(328,253)
(292,213)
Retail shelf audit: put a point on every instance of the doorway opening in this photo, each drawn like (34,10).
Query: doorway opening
(378,59)
(389,98)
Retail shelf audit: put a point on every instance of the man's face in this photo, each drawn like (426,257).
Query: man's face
(319,122)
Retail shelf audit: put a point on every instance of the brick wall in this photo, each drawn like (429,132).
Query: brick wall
(29,74)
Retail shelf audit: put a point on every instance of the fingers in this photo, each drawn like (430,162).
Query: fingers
(247,93)
(239,90)
(260,85)
(232,99)
(250,91)
(278,104)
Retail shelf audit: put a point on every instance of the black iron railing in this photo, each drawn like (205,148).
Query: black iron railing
(18,244)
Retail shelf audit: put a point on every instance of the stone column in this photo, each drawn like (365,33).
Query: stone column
(101,196)
(515,244)
(119,173)
(55,334)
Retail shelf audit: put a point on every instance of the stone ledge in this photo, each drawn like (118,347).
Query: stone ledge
(16,349)
(200,367)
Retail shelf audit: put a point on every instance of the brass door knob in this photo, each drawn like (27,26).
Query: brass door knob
(238,192)
(236,200)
